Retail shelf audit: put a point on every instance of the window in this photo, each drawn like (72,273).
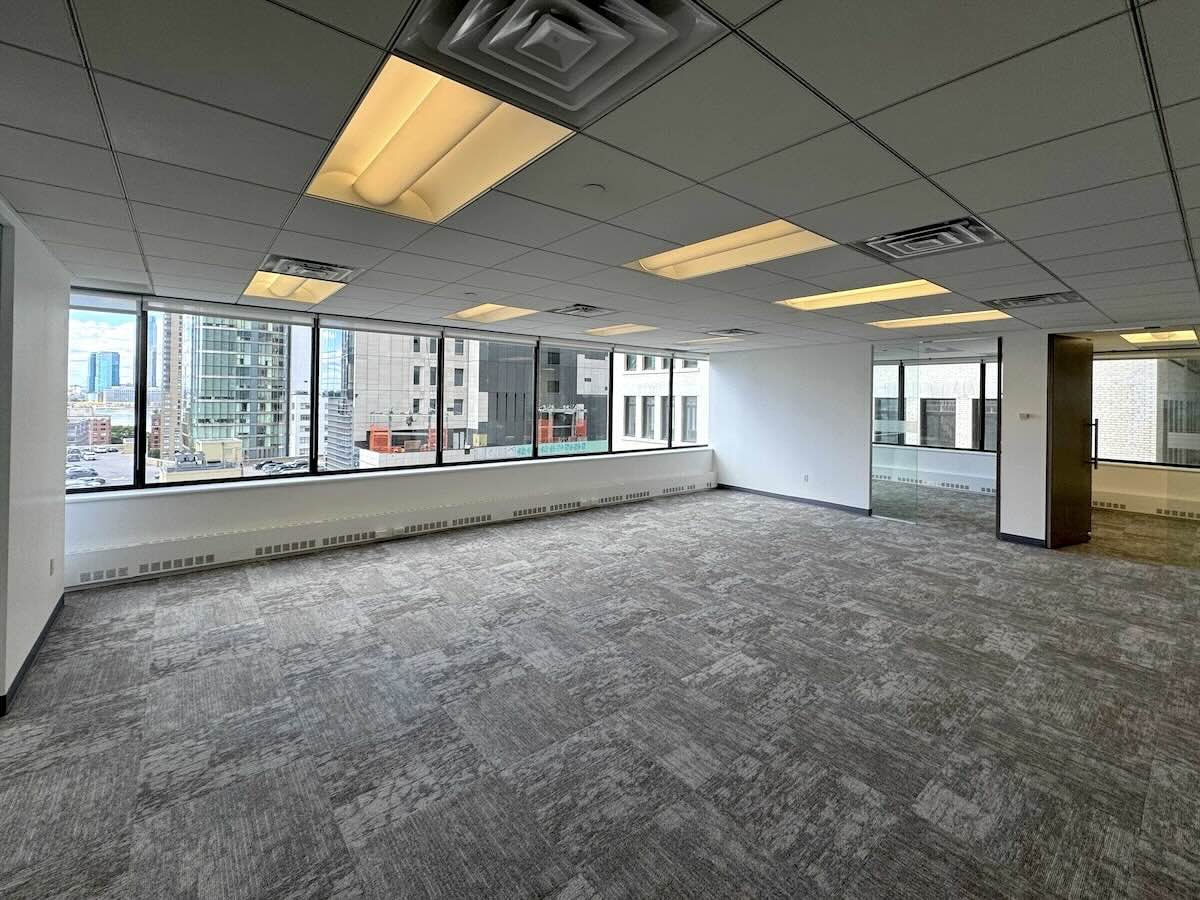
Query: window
(433,373)
(691,407)
(497,415)
(572,401)
(944,405)
(1148,407)
(101,430)
(647,386)
(369,415)
(630,417)
(938,418)
(630,362)
(664,416)
(416,345)
(416,374)
(648,418)
(458,346)
(888,402)
(229,398)
(458,377)
(647,362)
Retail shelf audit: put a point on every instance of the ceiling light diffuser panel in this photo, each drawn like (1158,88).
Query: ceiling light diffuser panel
(1161,337)
(421,145)
(486,313)
(572,60)
(615,330)
(966,318)
(759,244)
(900,290)
(275,286)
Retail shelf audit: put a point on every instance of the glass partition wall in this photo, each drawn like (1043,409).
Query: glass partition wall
(935,432)
(163,392)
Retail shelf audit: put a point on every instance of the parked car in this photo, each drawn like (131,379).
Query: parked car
(82,472)
(74,456)
(85,482)
(267,462)
(88,456)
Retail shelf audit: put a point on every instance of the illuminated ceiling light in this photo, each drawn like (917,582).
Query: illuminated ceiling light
(985,315)
(613,330)
(422,146)
(491,312)
(900,290)
(273,286)
(711,340)
(762,243)
(1160,337)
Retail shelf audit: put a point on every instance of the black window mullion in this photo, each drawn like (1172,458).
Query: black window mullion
(440,399)
(537,416)
(612,384)
(141,430)
(314,395)
(670,402)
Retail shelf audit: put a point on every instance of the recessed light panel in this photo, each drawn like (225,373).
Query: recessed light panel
(985,315)
(1161,337)
(571,59)
(900,290)
(613,330)
(711,340)
(759,244)
(421,145)
(274,286)
(487,313)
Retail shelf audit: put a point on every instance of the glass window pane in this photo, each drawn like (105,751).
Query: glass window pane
(374,413)
(941,404)
(490,416)
(226,398)
(1149,409)
(572,401)
(691,403)
(101,394)
(639,391)
(889,420)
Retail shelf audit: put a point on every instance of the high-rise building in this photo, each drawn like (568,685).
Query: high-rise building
(104,370)
(153,366)
(171,381)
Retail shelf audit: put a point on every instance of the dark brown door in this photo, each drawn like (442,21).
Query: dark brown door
(1069,497)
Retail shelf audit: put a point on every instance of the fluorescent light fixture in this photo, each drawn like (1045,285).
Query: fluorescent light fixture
(491,312)
(613,330)
(984,315)
(1161,337)
(762,243)
(900,290)
(274,286)
(421,145)
(711,340)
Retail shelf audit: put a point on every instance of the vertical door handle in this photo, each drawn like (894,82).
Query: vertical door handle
(1095,443)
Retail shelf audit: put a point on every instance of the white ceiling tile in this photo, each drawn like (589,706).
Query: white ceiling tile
(1183,128)
(48,96)
(868,54)
(684,121)
(1065,315)
(1101,156)
(1151,289)
(1045,285)
(820,262)
(65,231)
(1115,236)
(37,157)
(372,20)
(1172,30)
(390,281)
(445,243)
(167,222)
(116,280)
(45,27)
(497,280)
(1137,198)
(738,281)
(429,267)
(970,259)
(694,214)
(64,203)
(194,251)
(882,212)
(352,223)
(1128,277)
(253,58)
(322,249)
(968,281)
(500,215)
(827,169)
(1156,255)
(469,295)
(1080,81)
(609,244)
(115,259)
(338,306)
(544,264)
(187,189)
(786,289)
(182,267)
(150,123)
(560,178)
(871,276)
(581,293)
(641,284)
(360,293)
(1189,186)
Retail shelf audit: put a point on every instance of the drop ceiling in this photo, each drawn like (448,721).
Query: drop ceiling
(174,167)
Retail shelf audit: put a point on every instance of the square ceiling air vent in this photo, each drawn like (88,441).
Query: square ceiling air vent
(731,332)
(570,60)
(1032,300)
(582,310)
(912,243)
(307,268)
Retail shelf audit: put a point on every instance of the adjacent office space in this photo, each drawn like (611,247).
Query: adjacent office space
(576,450)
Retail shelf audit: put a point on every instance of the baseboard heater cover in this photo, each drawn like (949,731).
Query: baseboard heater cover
(108,565)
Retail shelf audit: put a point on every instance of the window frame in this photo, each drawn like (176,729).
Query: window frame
(1135,354)
(978,431)
(440,337)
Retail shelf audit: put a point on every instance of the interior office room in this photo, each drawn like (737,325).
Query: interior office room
(578,450)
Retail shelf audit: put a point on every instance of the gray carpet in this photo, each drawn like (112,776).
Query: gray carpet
(718,695)
(968,512)
(1141,538)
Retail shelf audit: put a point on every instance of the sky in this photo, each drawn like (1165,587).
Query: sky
(94,331)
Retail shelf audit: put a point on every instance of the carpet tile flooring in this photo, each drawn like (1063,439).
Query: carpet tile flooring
(710,696)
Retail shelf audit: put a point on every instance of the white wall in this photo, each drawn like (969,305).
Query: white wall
(794,421)
(1023,436)
(34,291)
